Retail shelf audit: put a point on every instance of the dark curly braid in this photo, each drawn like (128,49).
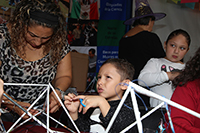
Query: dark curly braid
(21,20)
(191,71)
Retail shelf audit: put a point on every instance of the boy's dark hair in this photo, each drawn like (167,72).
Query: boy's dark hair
(124,68)
(143,21)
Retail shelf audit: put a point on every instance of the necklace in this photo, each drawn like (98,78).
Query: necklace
(33,49)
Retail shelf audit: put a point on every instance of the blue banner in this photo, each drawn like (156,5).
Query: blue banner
(113,9)
(111,28)
(104,53)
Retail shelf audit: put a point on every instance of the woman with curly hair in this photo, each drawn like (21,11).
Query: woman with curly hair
(34,50)
(187,93)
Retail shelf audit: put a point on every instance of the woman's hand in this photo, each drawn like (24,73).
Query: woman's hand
(54,104)
(9,104)
(62,81)
(71,103)
(24,105)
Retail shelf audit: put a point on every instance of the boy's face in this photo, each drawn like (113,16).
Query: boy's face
(108,78)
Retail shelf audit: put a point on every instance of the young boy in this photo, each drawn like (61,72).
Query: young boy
(99,109)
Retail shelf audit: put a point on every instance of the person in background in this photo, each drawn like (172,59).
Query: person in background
(93,34)
(140,44)
(187,94)
(82,37)
(99,109)
(34,50)
(77,35)
(158,73)
(87,31)
(91,76)
(92,61)
(70,37)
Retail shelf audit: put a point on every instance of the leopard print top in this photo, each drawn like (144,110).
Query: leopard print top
(16,70)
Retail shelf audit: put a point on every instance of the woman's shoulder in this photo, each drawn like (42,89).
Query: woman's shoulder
(190,86)
(135,37)
(190,90)
(148,33)
(195,83)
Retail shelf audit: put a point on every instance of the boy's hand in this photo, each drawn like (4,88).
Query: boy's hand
(93,101)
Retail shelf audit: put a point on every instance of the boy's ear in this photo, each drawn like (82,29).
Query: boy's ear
(125,84)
